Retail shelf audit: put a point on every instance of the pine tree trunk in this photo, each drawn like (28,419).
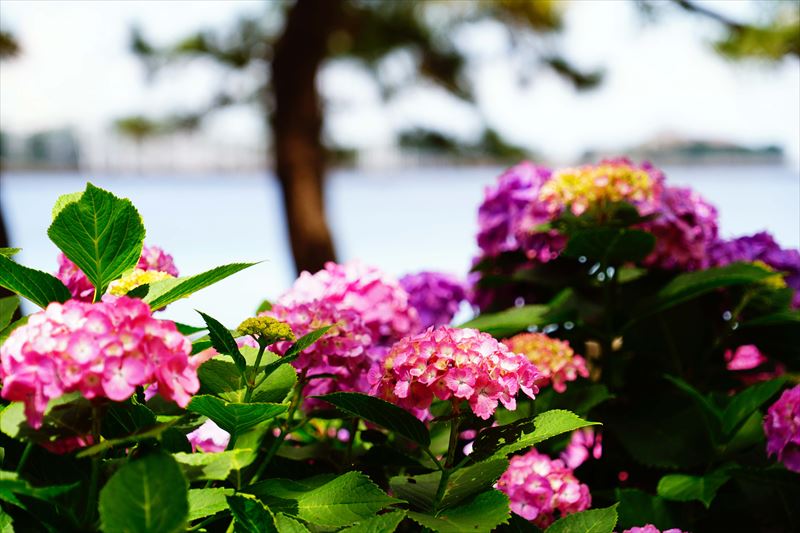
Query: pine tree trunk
(297,128)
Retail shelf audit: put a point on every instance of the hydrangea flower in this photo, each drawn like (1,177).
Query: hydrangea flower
(506,203)
(782,426)
(153,259)
(745,357)
(453,364)
(612,180)
(542,489)
(555,360)
(378,299)
(435,296)
(760,247)
(345,351)
(209,438)
(582,443)
(105,349)
(138,277)
(685,228)
(650,528)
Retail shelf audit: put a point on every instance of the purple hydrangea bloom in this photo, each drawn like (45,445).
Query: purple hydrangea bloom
(685,227)
(760,247)
(506,204)
(782,426)
(436,296)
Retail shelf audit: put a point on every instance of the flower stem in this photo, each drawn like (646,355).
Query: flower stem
(451,454)
(91,500)
(285,430)
(251,382)
(24,458)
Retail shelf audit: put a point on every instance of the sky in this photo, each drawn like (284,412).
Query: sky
(76,70)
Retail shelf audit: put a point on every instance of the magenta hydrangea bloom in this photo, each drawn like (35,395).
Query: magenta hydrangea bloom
(506,203)
(583,443)
(745,357)
(209,438)
(453,364)
(542,489)
(555,360)
(436,296)
(650,528)
(685,227)
(345,351)
(760,247)
(153,258)
(782,426)
(377,298)
(105,349)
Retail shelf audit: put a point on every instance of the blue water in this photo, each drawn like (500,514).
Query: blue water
(402,221)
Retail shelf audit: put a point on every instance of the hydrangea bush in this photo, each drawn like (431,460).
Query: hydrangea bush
(626,370)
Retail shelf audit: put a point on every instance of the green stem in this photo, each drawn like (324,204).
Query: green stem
(91,501)
(285,430)
(451,454)
(251,382)
(24,458)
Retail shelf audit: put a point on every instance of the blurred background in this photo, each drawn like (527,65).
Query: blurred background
(298,132)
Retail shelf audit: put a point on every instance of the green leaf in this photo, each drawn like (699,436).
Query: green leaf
(63,200)
(66,416)
(685,488)
(207,502)
(39,287)
(100,233)
(213,466)
(185,329)
(10,252)
(591,521)
(223,341)
(382,413)
(149,494)
(746,402)
(153,432)
(510,321)
(483,513)
(637,507)
(546,425)
(610,246)
(234,418)
(250,515)
(691,285)
(160,294)
(287,524)
(5,332)
(421,490)
(385,523)
(7,307)
(220,377)
(336,502)
(11,486)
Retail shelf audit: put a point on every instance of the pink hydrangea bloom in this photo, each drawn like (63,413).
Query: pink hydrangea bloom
(153,258)
(377,298)
(453,364)
(542,489)
(209,438)
(436,296)
(555,360)
(685,228)
(745,357)
(67,444)
(105,349)
(583,442)
(345,351)
(650,528)
(782,426)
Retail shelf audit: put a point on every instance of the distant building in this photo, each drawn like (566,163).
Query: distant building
(47,150)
